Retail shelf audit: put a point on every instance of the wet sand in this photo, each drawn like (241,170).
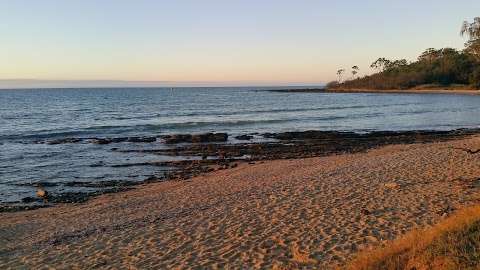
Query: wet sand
(297,213)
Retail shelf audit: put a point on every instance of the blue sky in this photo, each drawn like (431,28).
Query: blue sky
(237,42)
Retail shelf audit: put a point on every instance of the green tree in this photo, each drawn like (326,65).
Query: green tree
(429,55)
(340,74)
(472,31)
(380,64)
(434,67)
(475,78)
(397,64)
(355,70)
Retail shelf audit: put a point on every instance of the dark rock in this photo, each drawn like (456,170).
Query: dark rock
(101,184)
(151,179)
(45,184)
(80,197)
(118,140)
(20,207)
(177,138)
(64,141)
(141,139)
(244,137)
(123,139)
(38,184)
(70,197)
(309,135)
(210,137)
(108,140)
(195,138)
(30,200)
(101,141)
(290,145)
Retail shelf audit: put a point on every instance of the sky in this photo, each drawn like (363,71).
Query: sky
(217,42)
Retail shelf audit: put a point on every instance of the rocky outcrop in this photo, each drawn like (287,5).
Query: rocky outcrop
(205,157)
(309,135)
(244,137)
(123,139)
(195,138)
(64,141)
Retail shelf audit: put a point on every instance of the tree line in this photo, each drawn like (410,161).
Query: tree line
(433,68)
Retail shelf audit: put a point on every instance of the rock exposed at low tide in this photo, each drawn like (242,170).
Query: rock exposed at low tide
(195,138)
(203,156)
(244,137)
(124,139)
(64,141)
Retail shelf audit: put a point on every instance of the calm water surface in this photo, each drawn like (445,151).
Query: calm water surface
(29,116)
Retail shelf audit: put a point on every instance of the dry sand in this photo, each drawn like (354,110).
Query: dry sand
(304,213)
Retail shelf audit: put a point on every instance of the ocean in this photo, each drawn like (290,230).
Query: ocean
(29,118)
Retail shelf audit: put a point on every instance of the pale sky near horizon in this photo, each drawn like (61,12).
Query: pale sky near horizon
(246,42)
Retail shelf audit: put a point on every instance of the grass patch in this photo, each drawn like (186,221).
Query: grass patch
(454,243)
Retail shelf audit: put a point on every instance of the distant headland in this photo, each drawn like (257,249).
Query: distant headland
(434,70)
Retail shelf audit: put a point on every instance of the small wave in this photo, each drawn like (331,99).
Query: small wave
(44,134)
(240,112)
(119,129)
(102,130)
(286,110)
(153,129)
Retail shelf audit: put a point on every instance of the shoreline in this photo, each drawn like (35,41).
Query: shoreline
(309,212)
(214,153)
(408,91)
(391,91)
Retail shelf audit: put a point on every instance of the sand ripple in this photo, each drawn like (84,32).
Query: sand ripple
(305,213)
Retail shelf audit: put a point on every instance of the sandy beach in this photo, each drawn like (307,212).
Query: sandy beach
(301,213)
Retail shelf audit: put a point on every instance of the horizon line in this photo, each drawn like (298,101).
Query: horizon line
(51,83)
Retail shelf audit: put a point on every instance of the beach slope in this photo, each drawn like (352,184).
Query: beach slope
(309,213)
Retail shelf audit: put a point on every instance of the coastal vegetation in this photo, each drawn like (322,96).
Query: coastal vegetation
(453,243)
(434,68)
